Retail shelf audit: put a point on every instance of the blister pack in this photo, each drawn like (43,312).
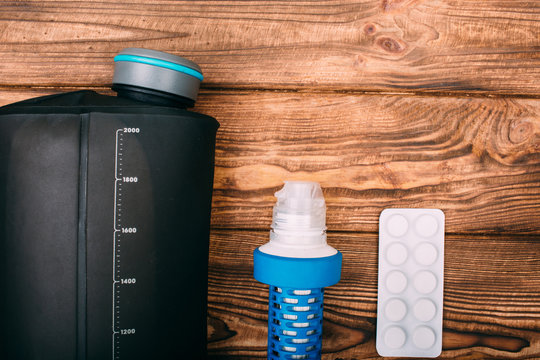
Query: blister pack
(410,290)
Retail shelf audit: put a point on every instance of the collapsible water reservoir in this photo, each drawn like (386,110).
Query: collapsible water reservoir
(104,217)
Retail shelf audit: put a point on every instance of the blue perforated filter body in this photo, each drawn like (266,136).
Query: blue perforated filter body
(295,311)
(295,323)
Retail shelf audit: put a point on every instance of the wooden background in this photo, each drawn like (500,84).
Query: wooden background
(386,103)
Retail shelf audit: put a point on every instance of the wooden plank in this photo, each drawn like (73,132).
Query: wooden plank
(477,159)
(367,45)
(491,302)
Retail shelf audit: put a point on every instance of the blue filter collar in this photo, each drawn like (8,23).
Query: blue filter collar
(297,273)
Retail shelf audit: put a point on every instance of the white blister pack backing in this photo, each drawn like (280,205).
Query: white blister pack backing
(411,279)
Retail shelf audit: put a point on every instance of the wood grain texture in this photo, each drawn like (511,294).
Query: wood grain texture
(367,45)
(491,298)
(476,159)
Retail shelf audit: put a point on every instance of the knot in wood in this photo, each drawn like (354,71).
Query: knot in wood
(370,29)
(520,131)
(390,45)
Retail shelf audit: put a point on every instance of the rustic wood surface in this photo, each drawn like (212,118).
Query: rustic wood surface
(476,159)
(386,103)
(491,302)
(366,45)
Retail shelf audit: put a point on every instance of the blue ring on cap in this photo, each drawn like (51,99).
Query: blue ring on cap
(160,63)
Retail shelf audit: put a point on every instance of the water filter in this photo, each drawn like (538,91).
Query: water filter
(298,264)
(105,217)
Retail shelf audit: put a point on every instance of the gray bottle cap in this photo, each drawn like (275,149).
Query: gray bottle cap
(157,70)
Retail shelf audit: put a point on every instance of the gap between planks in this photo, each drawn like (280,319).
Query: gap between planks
(314,91)
(350,232)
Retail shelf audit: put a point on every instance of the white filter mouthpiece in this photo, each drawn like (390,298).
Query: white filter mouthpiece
(299,222)
(300,207)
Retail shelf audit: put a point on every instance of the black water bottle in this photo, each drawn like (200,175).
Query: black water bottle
(104,217)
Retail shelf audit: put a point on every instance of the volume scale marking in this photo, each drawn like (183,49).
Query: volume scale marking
(118,162)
